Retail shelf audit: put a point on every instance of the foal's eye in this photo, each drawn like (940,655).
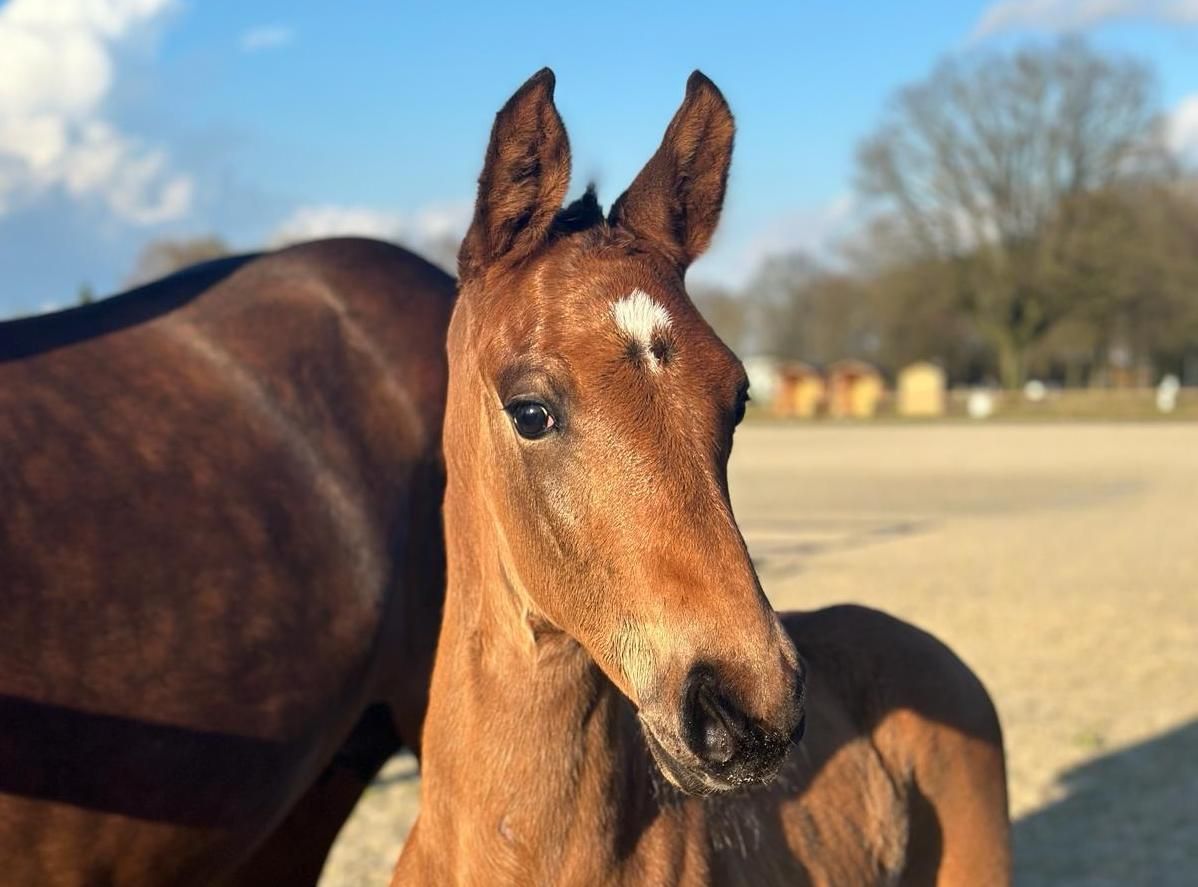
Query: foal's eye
(741,402)
(531,419)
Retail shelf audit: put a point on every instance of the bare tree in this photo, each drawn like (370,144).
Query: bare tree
(159,258)
(981,163)
(1129,263)
(813,314)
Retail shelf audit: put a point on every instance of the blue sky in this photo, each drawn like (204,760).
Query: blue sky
(125,120)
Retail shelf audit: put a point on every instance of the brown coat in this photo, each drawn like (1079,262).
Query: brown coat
(221,564)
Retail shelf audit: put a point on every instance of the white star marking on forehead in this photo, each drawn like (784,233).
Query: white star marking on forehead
(639,318)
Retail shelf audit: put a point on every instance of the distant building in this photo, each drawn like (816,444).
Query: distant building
(800,390)
(763,373)
(921,390)
(855,389)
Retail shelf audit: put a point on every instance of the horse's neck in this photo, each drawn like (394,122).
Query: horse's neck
(532,764)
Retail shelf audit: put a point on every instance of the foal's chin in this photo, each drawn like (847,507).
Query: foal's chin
(686,772)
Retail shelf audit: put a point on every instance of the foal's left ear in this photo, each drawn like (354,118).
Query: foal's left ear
(676,199)
(523,181)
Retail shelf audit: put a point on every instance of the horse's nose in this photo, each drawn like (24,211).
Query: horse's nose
(720,734)
(715,728)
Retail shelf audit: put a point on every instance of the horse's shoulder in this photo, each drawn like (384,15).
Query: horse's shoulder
(878,664)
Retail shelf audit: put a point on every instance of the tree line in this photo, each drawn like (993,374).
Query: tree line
(1026,218)
(1023,217)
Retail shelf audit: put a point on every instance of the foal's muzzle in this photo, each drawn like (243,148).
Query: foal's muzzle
(721,747)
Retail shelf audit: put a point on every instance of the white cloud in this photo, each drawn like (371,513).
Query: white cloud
(266,37)
(434,230)
(57,67)
(1057,16)
(1182,128)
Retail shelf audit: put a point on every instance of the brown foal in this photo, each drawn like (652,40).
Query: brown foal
(604,626)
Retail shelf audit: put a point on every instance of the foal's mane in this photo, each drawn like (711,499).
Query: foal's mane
(585,217)
(583,214)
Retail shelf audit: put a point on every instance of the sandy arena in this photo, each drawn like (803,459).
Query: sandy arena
(1060,561)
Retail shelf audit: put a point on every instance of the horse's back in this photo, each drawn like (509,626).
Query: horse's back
(902,766)
(219,543)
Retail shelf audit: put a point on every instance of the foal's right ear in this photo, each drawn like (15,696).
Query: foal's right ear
(523,182)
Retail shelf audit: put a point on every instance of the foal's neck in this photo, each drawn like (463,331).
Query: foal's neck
(534,768)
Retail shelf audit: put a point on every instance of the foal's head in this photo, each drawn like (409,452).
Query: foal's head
(590,419)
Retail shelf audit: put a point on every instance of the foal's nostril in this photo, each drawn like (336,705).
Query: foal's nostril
(713,724)
(716,743)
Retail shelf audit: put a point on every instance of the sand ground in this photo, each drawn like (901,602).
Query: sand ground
(1060,561)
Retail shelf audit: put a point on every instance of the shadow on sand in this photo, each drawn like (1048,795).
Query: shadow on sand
(1130,817)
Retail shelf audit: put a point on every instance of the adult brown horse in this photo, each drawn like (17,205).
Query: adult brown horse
(221,564)
(601,610)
